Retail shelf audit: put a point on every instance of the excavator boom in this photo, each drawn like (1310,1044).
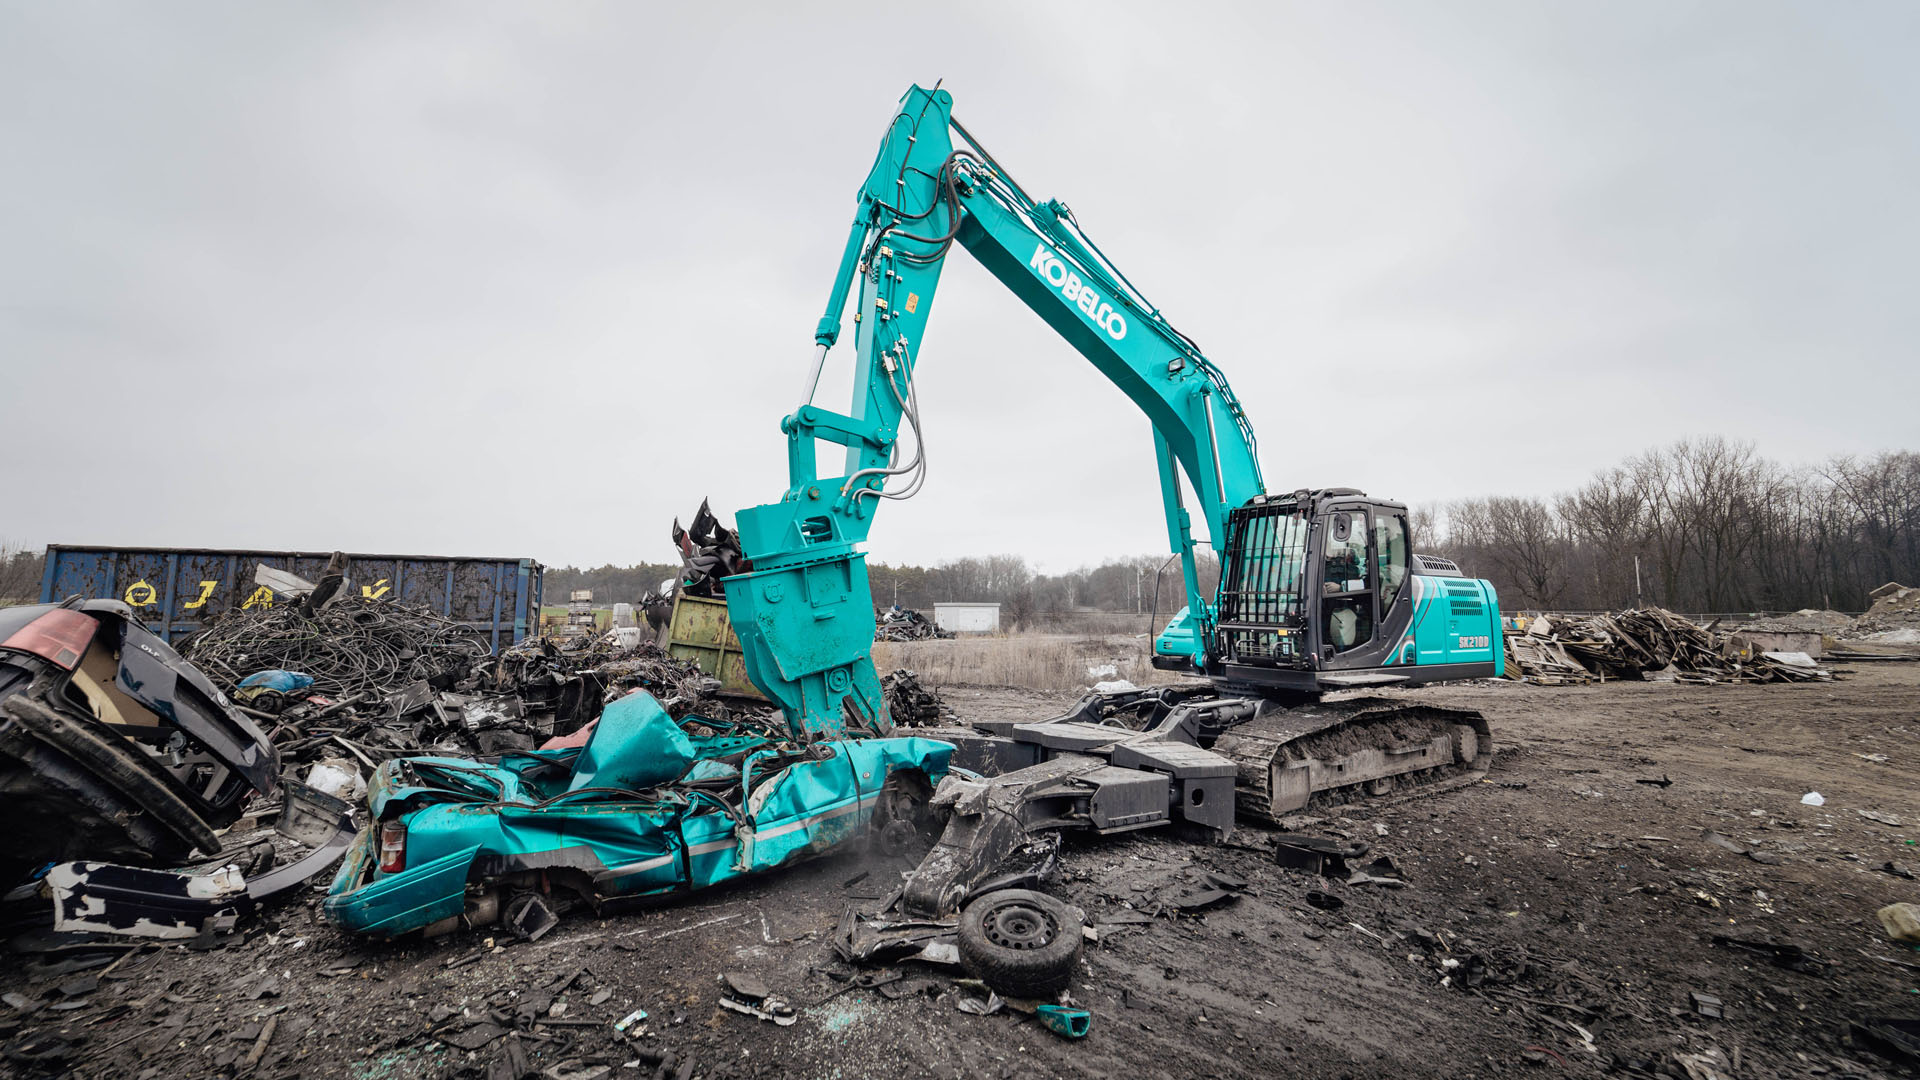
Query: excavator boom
(804,615)
(1319,588)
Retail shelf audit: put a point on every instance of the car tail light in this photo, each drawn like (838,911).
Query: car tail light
(61,636)
(393,846)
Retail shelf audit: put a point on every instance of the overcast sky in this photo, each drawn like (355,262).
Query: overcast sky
(533,279)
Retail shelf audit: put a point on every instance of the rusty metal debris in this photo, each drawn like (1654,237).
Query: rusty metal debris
(1645,643)
(905,624)
(910,702)
(709,551)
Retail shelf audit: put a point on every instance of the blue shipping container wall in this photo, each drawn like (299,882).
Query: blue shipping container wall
(176,589)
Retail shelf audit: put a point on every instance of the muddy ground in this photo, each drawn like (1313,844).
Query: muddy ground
(1581,904)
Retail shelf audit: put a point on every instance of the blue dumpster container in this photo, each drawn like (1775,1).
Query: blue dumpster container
(176,589)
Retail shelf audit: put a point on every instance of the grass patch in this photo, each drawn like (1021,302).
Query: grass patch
(1030,661)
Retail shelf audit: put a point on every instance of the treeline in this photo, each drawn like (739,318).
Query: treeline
(1715,527)
(1022,592)
(1121,585)
(610,584)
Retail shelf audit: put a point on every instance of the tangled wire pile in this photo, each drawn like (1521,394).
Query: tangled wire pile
(367,648)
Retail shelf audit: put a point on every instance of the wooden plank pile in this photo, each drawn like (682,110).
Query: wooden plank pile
(1541,659)
(1644,643)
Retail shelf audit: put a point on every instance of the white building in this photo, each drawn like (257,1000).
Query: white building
(967,618)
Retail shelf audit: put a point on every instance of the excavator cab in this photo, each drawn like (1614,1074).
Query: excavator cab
(1318,592)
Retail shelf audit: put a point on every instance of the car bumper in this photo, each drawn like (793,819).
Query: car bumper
(394,904)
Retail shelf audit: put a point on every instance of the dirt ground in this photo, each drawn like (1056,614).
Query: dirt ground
(1558,919)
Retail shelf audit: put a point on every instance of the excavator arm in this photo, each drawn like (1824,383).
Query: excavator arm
(804,615)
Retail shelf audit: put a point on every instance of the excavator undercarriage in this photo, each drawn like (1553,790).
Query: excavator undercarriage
(1187,756)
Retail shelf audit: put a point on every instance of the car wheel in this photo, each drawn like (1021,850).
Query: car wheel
(902,822)
(1020,943)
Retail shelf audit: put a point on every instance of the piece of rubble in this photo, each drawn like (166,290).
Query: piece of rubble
(510,1063)
(1321,855)
(132,901)
(475,1037)
(746,986)
(1722,841)
(986,1006)
(767,1008)
(73,988)
(1894,1037)
(1190,901)
(1382,872)
(1783,955)
(1902,922)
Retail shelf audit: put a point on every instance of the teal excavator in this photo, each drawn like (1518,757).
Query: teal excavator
(1319,588)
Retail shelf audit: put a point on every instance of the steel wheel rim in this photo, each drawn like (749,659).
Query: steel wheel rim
(1020,926)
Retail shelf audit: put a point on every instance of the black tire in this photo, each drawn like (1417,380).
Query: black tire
(1020,943)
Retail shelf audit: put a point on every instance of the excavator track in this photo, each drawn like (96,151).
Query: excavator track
(1301,762)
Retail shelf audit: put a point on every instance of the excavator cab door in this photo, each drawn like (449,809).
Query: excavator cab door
(1365,607)
(1349,582)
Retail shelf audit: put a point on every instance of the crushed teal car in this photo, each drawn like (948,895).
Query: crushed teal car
(643,809)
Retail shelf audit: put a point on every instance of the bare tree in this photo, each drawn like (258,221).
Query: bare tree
(20,572)
(1882,495)
(1606,523)
(1520,542)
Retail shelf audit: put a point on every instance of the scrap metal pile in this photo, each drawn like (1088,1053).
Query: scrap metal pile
(910,703)
(905,624)
(388,680)
(1645,643)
